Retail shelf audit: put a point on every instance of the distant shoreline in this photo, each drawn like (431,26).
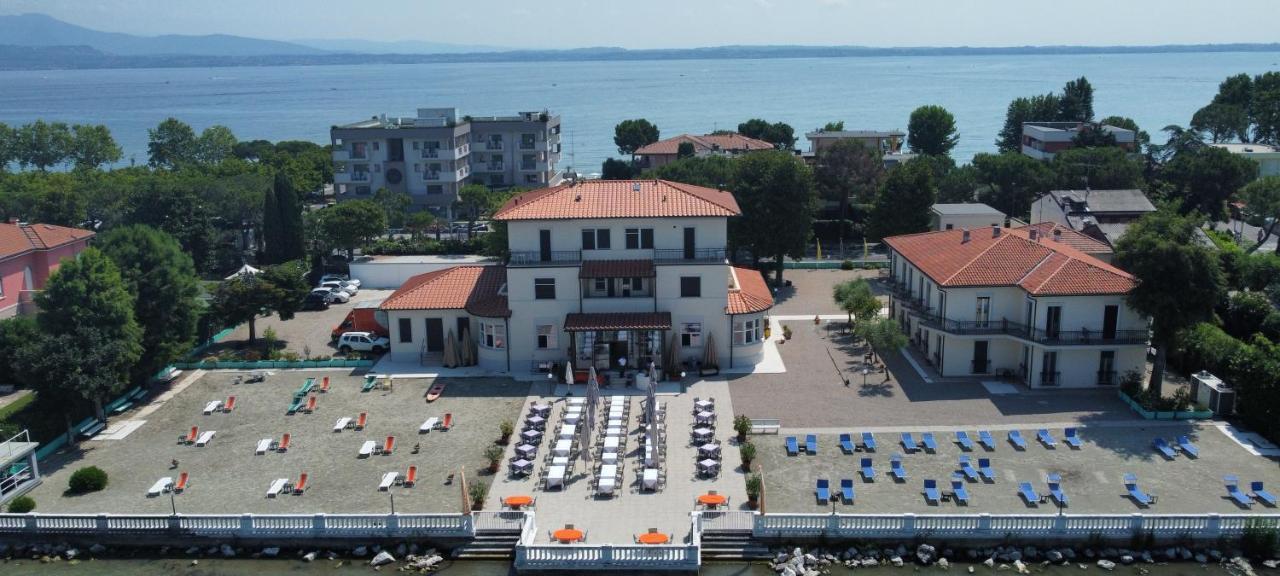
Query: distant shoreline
(14,58)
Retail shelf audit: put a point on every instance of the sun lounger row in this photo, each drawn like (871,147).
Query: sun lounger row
(1170,451)
(810,445)
(928,441)
(1257,491)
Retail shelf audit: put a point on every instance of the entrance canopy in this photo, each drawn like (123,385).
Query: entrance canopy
(617,269)
(617,321)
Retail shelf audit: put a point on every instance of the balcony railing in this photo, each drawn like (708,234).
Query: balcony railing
(679,256)
(552,258)
(1050,378)
(492,145)
(1086,337)
(1106,377)
(359,176)
(1083,337)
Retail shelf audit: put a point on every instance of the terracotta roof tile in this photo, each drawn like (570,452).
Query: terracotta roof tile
(1078,240)
(17,239)
(616,269)
(471,288)
(750,295)
(576,322)
(1042,267)
(732,142)
(619,199)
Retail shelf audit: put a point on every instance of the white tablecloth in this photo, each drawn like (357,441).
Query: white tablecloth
(567,431)
(555,476)
(650,477)
(609,471)
(703,405)
(562,447)
(611,444)
(573,418)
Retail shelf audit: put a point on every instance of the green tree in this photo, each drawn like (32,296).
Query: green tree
(1107,168)
(278,289)
(272,227)
(685,150)
(1246,313)
(16,333)
(215,144)
(42,145)
(1205,178)
(1222,122)
(883,335)
(1160,246)
(614,169)
(1261,200)
(903,202)
(1076,104)
(1043,108)
(172,144)
(8,145)
(396,206)
(1011,181)
(932,131)
(857,300)
(352,223)
(92,146)
(1236,91)
(775,191)
(163,280)
(958,185)
(710,171)
(1141,138)
(173,204)
(779,134)
(420,222)
(833,126)
(478,200)
(1093,135)
(848,170)
(632,135)
(1264,108)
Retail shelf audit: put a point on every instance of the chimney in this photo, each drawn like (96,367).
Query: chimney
(1035,235)
(1057,234)
(964,236)
(995,231)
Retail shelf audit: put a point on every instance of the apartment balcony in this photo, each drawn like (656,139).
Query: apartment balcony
(552,258)
(347,177)
(493,146)
(696,256)
(1082,337)
(534,167)
(488,167)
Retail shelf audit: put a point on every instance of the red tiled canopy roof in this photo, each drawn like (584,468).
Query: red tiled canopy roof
(471,288)
(616,269)
(21,238)
(576,322)
(1041,267)
(619,199)
(730,142)
(751,294)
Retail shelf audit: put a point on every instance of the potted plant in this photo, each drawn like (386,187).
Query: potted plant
(786,332)
(478,492)
(505,429)
(748,453)
(742,425)
(755,486)
(494,455)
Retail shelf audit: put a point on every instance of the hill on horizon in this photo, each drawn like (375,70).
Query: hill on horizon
(40,30)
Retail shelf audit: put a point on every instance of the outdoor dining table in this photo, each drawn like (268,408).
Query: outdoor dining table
(653,538)
(276,486)
(567,535)
(650,478)
(703,405)
(518,501)
(522,465)
(540,409)
(212,407)
(576,401)
(614,431)
(614,423)
(160,486)
(560,461)
(609,457)
(263,445)
(562,447)
(535,421)
(650,456)
(532,435)
(573,418)
(555,476)
(704,417)
(388,479)
(709,449)
(567,431)
(702,433)
(708,465)
(712,500)
(611,443)
(526,450)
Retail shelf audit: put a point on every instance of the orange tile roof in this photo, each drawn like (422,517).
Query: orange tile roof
(18,239)
(617,269)
(1042,268)
(750,294)
(619,199)
(1078,240)
(471,288)
(576,322)
(731,142)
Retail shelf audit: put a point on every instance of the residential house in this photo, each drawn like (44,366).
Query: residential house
(1043,140)
(993,302)
(1267,157)
(433,155)
(948,216)
(667,151)
(1102,214)
(29,253)
(599,272)
(888,142)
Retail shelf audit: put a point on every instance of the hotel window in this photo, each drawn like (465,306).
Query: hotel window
(493,335)
(690,286)
(601,285)
(358,150)
(430,149)
(691,334)
(406,330)
(639,238)
(982,315)
(595,239)
(746,332)
(544,288)
(546,334)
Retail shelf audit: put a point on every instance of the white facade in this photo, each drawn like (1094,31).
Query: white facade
(1267,157)
(959,216)
(390,272)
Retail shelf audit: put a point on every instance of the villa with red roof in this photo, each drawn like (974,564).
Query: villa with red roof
(667,151)
(1016,302)
(601,273)
(29,253)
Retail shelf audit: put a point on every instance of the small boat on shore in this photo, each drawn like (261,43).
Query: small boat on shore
(435,391)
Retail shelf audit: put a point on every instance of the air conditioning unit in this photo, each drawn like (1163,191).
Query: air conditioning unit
(1211,391)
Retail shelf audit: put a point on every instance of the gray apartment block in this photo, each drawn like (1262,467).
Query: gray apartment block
(434,154)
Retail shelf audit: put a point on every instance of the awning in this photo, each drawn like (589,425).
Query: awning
(616,269)
(617,321)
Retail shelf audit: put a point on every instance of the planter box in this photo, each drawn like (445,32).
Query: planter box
(1163,415)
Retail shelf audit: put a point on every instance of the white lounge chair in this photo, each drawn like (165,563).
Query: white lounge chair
(206,437)
(276,486)
(428,425)
(160,487)
(263,445)
(388,480)
(212,407)
(341,424)
(366,449)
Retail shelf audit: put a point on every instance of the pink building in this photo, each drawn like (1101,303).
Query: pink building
(29,253)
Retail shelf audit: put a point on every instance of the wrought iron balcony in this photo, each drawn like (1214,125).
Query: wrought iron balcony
(1083,337)
(680,256)
(552,258)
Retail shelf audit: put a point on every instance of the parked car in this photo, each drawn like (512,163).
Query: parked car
(363,317)
(316,300)
(340,278)
(363,342)
(340,286)
(480,228)
(334,296)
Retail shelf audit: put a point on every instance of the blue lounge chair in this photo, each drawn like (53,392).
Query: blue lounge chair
(931,491)
(1072,438)
(895,468)
(868,442)
(1140,497)
(846,444)
(1046,438)
(959,491)
(1187,447)
(1015,437)
(1055,489)
(929,443)
(966,467)
(1261,494)
(962,438)
(1232,483)
(986,440)
(868,471)
(793,448)
(811,444)
(846,490)
(909,442)
(823,491)
(1164,448)
(984,468)
(1028,493)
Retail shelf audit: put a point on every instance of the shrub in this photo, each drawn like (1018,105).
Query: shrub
(87,479)
(251,356)
(22,505)
(747,451)
(493,454)
(846,265)
(742,425)
(290,356)
(754,486)
(1259,538)
(505,429)
(478,492)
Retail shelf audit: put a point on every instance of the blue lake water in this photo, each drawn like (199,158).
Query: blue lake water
(697,96)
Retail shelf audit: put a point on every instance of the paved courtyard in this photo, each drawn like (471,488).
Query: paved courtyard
(227,476)
(810,291)
(1092,476)
(309,330)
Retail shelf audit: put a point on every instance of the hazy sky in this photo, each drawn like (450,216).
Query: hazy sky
(687,23)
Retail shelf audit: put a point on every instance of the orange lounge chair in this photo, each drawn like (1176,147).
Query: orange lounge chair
(324,384)
(182,483)
(389,445)
(301,486)
(191,437)
(411,478)
(284,443)
(448,421)
(311,405)
(360,422)
(230,405)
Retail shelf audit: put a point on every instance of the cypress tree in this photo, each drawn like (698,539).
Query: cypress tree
(272,227)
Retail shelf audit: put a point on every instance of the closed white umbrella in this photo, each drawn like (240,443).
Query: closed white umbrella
(450,351)
(589,422)
(709,353)
(673,357)
(651,406)
(568,372)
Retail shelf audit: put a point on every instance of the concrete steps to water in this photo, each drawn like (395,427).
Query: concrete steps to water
(732,545)
(490,545)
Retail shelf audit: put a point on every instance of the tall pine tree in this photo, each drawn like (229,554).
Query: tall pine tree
(272,229)
(290,209)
